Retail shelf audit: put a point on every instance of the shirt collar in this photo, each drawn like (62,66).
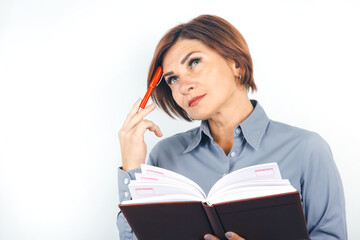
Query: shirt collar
(253,128)
(204,129)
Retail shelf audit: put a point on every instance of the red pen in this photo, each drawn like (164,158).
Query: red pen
(154,82)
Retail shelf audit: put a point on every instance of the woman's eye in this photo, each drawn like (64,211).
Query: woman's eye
(194,62)
(172,80)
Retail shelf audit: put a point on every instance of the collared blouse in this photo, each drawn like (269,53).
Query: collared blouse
(303,157)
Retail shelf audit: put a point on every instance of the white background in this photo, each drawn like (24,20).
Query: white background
(70,71)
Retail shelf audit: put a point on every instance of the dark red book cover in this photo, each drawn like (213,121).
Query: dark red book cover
(271,217)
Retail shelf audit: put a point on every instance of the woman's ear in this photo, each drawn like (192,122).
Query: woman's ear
(235,67)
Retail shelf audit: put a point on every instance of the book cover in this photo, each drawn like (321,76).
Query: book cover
(253,202)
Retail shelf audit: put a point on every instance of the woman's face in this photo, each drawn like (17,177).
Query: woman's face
(202,81)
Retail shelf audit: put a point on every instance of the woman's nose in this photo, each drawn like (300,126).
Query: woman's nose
(186,85)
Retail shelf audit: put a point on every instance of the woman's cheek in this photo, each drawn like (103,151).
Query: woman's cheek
(177,99)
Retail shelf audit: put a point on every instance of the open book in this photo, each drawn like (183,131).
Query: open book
(254,202)
(156,184)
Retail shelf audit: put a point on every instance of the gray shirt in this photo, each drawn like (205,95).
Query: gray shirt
(303,157)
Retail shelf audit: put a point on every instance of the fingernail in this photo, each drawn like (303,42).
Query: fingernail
(228,235)
(207,237)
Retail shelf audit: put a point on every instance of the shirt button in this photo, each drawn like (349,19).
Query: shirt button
(237,130)
(232,154)
(126,180)
(126,194)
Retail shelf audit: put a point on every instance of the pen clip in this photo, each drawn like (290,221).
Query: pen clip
(162,75)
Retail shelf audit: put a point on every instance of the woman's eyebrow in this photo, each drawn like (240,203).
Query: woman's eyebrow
(187,56)
(182,62)
(169,73)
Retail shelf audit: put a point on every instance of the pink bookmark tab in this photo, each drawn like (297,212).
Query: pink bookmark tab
(154,172)
(265,172)
(149,178)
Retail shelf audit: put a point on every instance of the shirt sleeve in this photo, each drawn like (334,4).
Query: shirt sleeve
(322,192)
(124,177)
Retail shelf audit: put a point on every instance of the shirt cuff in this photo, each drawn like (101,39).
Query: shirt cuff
(124,178)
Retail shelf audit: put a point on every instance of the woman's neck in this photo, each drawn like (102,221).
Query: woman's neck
(223,123)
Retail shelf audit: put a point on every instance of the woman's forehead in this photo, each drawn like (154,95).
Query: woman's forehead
(180,49)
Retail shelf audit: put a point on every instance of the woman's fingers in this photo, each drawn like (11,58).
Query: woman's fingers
(131,136)
(143,113)
(146,124)
(132,144)
(155,129)
(228,235)
(211,237)
(233,236)
(133,111)
(135,117)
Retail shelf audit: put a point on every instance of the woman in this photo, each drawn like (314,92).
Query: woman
(207,75)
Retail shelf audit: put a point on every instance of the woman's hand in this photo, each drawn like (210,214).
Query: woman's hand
(131,136)
(229,235)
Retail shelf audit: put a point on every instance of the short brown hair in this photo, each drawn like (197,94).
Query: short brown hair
(214,32)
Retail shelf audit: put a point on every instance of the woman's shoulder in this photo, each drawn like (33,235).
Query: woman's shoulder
(305,138)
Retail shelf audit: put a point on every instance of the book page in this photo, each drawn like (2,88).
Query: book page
(242,186)
(141,190)
(155,184)
(252,192)
(167,198)
(140,177)
(257,172)
(152,170)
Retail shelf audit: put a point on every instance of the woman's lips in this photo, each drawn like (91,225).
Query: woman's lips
(195,100)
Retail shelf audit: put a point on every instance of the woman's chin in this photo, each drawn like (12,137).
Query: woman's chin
(199,115)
